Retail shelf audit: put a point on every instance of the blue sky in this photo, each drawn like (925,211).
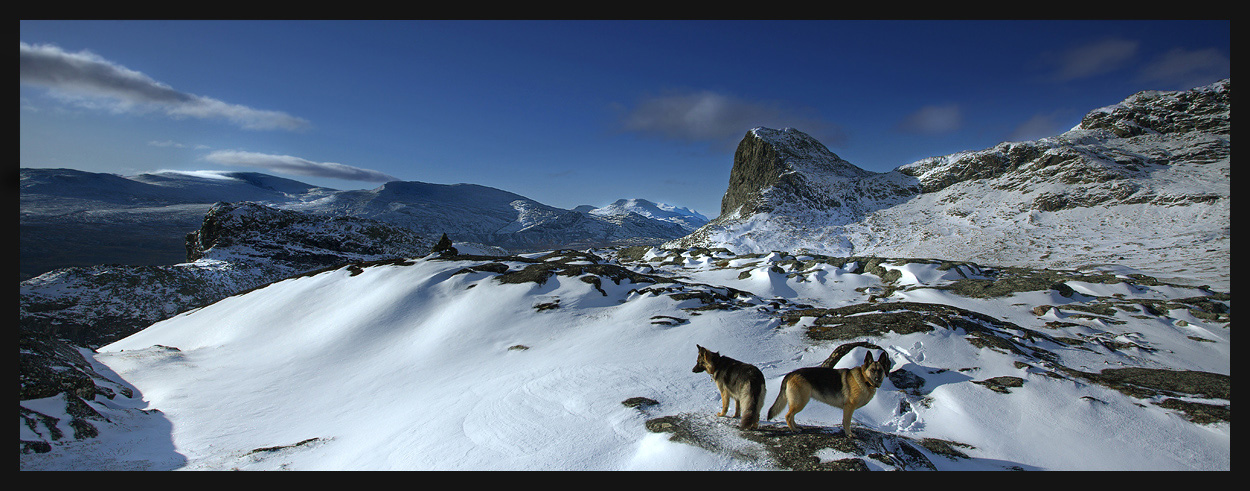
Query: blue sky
(570,112)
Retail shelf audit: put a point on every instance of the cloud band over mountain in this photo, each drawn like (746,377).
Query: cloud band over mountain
(711,116)
(287,164)
(92,81)
(1175,69)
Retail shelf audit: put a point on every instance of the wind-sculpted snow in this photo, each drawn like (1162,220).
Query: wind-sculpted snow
(580,360)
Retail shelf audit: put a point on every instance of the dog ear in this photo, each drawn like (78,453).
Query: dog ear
(867,357)
(885,361)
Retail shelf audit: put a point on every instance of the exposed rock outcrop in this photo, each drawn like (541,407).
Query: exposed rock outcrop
(299,240)
(1203,109)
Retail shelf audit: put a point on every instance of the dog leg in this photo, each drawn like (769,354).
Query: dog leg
(846,420)
(797,403)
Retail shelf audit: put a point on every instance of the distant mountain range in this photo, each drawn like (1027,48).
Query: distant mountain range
(76,218)
(103,256)
(481,214)
(70,218)
(685,217)
(1140,185)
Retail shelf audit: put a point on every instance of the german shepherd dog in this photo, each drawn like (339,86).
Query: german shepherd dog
(742,382)
(845,388)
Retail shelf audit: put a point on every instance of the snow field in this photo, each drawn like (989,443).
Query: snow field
(418,367)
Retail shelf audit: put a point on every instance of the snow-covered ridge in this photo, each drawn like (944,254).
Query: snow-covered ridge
(1218,91)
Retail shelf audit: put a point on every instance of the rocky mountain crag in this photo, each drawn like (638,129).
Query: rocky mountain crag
(1142,184)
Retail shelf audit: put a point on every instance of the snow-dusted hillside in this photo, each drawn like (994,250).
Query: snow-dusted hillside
(539,363)
(481,214)
(1142,185)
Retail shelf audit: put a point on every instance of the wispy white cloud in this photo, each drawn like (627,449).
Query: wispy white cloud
(710,116)
(1175,69)
(91,81)
(933,120)
(174,144)
(1092,59)
(1184,69)
(1037,127)
(287,164)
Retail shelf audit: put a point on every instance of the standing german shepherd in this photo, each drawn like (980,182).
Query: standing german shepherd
(846,388)
(742,382)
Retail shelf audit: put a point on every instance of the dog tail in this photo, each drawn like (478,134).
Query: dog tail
(781,401)
(754,404)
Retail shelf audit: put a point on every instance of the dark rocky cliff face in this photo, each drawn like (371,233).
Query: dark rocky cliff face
(773,166)
(755,169)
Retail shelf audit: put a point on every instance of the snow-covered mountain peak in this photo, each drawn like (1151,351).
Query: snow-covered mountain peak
(657,211)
